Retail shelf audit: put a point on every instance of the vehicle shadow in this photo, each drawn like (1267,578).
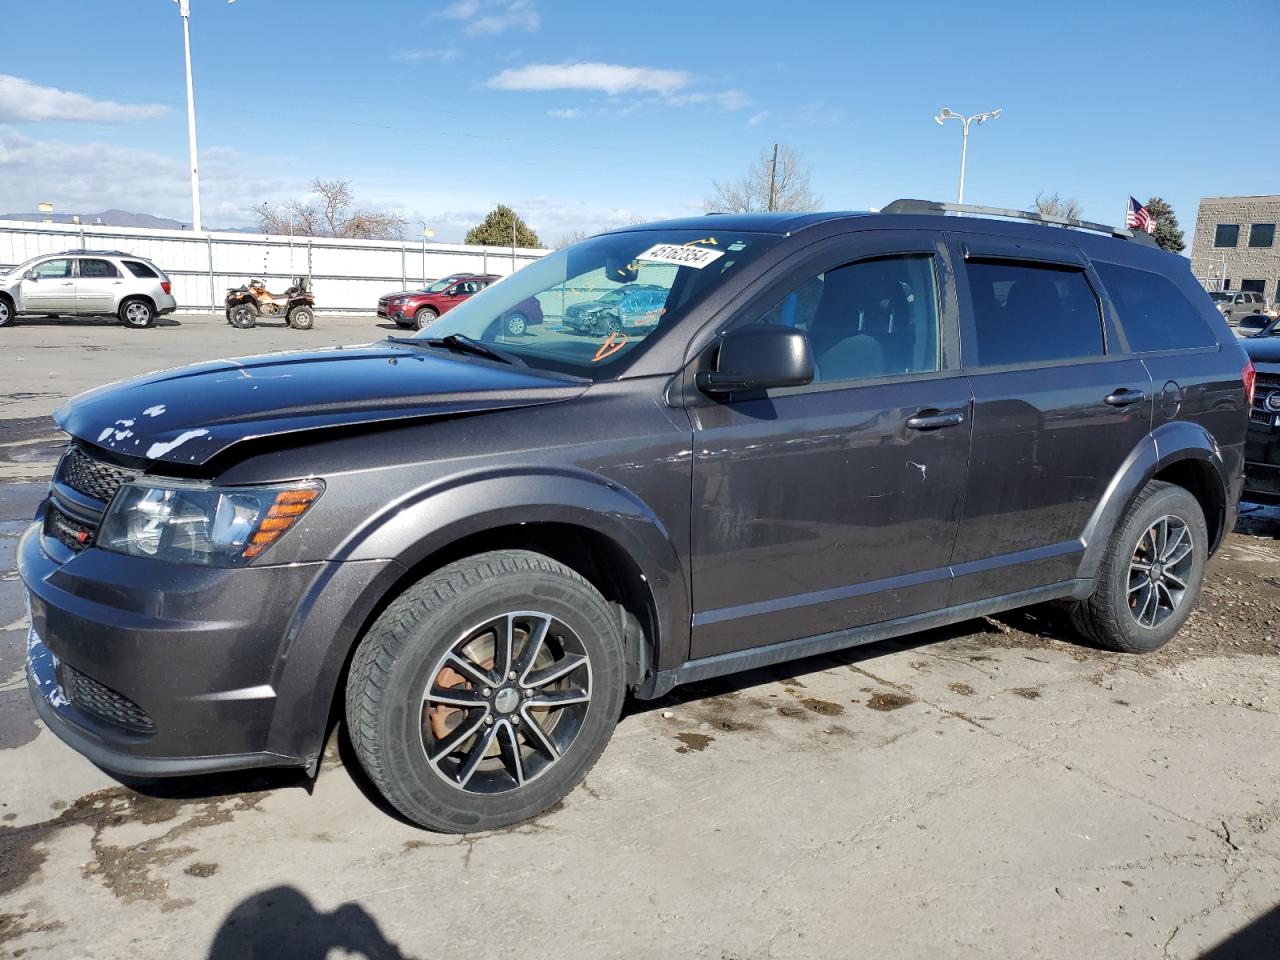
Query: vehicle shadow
(282,922)
(26,320)
(1259,939)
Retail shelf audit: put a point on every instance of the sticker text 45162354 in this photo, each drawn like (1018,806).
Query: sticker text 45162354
(680,256)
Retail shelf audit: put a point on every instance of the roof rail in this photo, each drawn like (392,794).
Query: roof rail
(77,251)
(1049,219)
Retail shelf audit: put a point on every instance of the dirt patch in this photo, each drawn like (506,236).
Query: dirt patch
(201,870)
(823,707)
(889,701)
(1026,693)
(14,925)
(131,872)
(961,688)
(693,742)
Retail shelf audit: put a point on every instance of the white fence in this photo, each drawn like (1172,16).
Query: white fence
(347,275)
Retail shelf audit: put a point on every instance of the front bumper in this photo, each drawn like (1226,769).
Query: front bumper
(220,668)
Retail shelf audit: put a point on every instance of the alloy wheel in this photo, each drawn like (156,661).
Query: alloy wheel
(1160,570)
(137,314)
(505,702)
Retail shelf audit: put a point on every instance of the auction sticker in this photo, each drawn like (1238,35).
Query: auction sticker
(681,256)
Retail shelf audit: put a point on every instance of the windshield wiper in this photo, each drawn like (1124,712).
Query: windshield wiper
(458,343)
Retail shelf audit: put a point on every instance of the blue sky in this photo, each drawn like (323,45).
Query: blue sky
(587,115)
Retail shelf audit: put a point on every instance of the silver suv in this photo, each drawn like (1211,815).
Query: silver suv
(1234,304)
(87,283)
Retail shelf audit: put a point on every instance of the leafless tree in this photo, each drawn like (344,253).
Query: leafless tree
(1051,204)
(570,237)
(750,192)
(333,213)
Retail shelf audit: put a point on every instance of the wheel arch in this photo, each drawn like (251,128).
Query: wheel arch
(1180,452)
(129,298)
(608,537)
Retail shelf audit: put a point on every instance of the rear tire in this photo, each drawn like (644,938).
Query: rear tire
(302,318)
(519,741)
(515,325)
(1149,581)
(137,314)
(425,317)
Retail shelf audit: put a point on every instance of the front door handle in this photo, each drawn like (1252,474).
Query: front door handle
(935,419)
(1124,397)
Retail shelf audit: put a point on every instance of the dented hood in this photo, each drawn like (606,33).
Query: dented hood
(190,414)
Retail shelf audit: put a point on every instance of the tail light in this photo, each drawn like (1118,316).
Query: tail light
(166,286)
(1250,377)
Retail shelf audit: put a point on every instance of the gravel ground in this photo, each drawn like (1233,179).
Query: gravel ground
(990,789)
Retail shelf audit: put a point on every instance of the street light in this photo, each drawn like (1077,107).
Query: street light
(184,11)
(980,118)
(425,234)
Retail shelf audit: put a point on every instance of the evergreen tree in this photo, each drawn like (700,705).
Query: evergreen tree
(495,231)
(1168,235)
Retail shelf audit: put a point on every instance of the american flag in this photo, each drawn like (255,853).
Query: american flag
(1139,218)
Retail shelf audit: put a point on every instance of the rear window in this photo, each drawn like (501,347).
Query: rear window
(1025,313)
(140,269)
(1154,313)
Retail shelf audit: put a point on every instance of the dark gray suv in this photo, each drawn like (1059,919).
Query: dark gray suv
(471,546)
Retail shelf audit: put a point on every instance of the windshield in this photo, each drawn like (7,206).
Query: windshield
(439,285)
(1219,297)
(592,308)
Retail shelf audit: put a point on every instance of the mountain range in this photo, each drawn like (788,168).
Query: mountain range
(119,218)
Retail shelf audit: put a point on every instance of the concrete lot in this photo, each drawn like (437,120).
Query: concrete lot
(992,789)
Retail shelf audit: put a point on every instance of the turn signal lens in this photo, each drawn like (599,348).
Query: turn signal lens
(287,510)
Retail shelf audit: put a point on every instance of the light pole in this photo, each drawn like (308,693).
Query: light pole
(184,11)
(425,233)
(980,118)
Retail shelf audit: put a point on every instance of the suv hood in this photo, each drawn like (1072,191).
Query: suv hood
(190,414)
(1261,349)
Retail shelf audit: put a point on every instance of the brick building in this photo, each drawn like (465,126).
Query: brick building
(1235,246)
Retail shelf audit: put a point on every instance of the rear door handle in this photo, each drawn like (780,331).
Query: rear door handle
(935,419)
(1125,396)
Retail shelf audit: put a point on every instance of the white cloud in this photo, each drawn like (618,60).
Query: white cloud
(609,78)
(568,113)
(91,177)
(438,54)
(23,100)
(493,16)
(816,113)
(758,118)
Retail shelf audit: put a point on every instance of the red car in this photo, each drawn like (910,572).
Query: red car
(422,308)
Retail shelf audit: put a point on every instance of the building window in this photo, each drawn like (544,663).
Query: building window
(1262,234)
(1227,235)
(1253,286)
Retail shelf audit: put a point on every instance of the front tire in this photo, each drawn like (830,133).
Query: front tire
(486,691)
(6,311)
(244,316)
(1150,577)
(425,317)
(515,324)
(137,314)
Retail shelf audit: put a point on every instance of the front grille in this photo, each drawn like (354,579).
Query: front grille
(69,532)
(1264,387)
(102,702)
(91,476)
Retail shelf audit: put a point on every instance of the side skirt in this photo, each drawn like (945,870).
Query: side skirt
(662,682)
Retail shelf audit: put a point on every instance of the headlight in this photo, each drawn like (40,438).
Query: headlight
(211,526)
(399,301)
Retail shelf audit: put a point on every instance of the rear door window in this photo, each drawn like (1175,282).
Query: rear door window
(1154,313)
(1031,313)
(92,269)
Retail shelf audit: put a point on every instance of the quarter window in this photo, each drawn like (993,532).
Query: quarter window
(873,318)
(1031,314)
(98,268)
(1154,313)
(1262,234)
(140,269)
(52,269)
(1226,235)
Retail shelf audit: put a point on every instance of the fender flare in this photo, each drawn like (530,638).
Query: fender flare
(1168,444)
(431,518)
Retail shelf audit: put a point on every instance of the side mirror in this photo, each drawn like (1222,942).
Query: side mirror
(30,275)
(759,357)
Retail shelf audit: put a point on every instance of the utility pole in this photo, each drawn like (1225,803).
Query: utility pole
(773,178)
(184,10)
(513,241)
